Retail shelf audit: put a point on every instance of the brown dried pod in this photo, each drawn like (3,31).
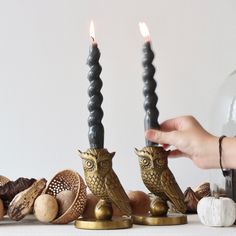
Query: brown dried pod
(203,190)
(9,190)
(190,200)
(21,204)
(2,212)
(3,180)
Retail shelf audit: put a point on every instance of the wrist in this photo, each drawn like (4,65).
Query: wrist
(210,155)
(228,152)
(214,152)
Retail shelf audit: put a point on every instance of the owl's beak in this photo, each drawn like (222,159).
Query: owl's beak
(152,165)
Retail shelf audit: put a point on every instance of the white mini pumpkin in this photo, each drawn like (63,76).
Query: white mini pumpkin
(214,211)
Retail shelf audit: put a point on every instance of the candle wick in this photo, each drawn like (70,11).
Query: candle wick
(93,39)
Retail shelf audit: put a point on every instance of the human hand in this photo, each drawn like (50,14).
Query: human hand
(190,140)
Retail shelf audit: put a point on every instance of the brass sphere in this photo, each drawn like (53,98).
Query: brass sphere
(158,207)
(103,211)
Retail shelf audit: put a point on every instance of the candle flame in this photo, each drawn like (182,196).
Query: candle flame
(92,30)
(144,31)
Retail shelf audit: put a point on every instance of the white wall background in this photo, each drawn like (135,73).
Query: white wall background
(43,84)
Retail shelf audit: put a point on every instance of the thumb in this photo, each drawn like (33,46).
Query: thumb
(161,137)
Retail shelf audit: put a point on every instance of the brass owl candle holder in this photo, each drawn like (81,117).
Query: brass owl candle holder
(159,180)
(97,161)
(155,173)
(104,184)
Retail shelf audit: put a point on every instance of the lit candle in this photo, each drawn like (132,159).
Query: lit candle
(96,129)
(150,97)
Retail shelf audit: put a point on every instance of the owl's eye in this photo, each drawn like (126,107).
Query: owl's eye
(160,161)
(89,163)
(145,161)
(103,164)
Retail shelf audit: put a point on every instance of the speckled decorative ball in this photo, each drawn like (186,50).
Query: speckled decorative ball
(45,208)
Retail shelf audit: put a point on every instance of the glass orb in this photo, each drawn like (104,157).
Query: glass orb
(224,120)
(224,123)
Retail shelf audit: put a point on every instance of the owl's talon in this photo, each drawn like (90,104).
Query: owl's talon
(103,210)
(158,207)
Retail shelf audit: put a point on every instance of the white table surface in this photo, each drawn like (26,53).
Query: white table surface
(30,226)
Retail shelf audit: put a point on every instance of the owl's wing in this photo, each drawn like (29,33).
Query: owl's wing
(172,190)
(117,193)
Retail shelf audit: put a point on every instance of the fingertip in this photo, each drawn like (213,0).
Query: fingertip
(175,154)
(150,134)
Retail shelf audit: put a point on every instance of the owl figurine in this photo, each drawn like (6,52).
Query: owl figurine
(158,178)
(104,183)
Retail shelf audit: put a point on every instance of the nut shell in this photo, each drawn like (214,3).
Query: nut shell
(69,180)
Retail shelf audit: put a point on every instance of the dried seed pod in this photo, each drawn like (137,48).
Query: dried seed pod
(3,180)
(1,209)
(203,190)
(9,190)
(21,204)
(190,200)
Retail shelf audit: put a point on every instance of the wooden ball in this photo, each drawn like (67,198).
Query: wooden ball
(89,211)
(116,211)
(45,208)
(139,201)
(65,199)
(1,209)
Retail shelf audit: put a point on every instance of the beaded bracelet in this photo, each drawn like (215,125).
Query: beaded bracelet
(224,172)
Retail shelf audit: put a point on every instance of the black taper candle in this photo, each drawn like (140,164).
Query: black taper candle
(96,129)
(150,97)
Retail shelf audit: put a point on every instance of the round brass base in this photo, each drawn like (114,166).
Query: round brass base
(170,219)
(115,223)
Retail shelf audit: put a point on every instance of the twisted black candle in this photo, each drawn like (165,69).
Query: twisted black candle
(96,129)
(150,101)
